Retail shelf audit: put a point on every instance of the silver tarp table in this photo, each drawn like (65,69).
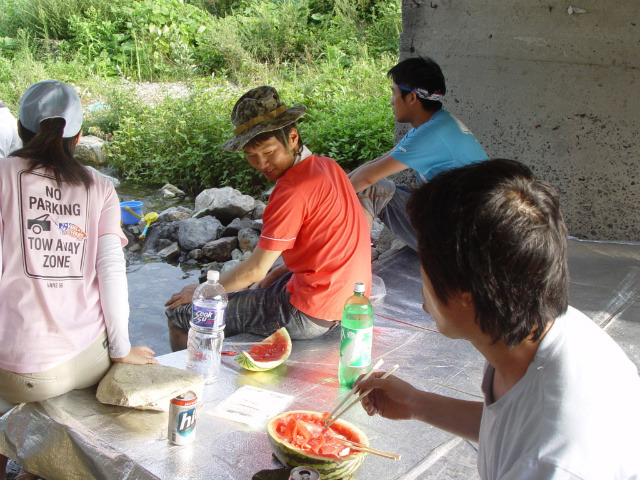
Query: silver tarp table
(75,437)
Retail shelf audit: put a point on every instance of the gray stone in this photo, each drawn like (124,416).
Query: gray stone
(134,248)
(195,232)
(90,150)
(220,250)
(229,265)
(236,225)
(163,243)
(240,255)
(257,225)
(169,253)
(158,231)
(224,203)
(248,239)
(171,191)
(114,181)
(175,214)
(196,254)
(258,209)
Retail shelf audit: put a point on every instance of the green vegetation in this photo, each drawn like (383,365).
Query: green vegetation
(330,55)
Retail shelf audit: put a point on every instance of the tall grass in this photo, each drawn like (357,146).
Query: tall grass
(331,55)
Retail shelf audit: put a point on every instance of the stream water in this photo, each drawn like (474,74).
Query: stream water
(152,281)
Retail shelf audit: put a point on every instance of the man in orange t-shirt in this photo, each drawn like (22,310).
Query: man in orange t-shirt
(313,219)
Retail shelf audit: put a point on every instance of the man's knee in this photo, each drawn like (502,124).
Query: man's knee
(374,198)
(178,324)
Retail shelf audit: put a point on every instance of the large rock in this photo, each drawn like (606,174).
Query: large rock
(248,239)
(258,209)
(90,150)
(175,214)
(146,387)
(236,225)
(220,250)
(224,203)
(195,232)
(162,231)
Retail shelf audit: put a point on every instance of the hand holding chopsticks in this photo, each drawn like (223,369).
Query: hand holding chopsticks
(353,390)
(333,416)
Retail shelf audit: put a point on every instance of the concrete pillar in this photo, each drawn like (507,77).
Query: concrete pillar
(555,87)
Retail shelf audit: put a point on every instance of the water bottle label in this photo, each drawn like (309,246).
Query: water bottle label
(355,346)
(204,316)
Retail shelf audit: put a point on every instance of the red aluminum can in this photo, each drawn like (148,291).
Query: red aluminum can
(304,473)
(182,418)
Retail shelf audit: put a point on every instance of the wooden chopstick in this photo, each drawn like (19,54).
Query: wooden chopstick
(374,451)
(353,391)
(358,398)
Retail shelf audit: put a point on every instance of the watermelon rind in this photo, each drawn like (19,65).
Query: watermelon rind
(329,468)
(245,360)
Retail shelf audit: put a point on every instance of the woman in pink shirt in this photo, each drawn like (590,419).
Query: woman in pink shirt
(63,288)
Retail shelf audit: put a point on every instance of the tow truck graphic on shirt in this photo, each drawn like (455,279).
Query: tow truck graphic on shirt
(39,224)
(42,224)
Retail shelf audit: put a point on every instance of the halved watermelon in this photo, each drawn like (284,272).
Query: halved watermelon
(300,438)
(268,354)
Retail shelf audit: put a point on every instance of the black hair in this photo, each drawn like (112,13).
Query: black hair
(47,149)
(494,230)
(420,72)
(282,134)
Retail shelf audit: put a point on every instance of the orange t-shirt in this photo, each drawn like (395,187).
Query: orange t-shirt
(315,219)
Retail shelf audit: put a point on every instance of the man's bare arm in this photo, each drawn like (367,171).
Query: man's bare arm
(366,175)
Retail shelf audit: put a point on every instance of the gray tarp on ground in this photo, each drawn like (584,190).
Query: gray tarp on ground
(74,437)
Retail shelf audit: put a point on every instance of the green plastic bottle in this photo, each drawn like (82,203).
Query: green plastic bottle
(356,333)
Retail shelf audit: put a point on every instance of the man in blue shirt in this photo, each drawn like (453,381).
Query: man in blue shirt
(437,142)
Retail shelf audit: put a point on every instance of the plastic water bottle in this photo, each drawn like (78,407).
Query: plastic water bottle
(356,334)
(206,331)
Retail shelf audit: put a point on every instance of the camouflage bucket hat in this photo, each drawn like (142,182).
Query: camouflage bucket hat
(257,111)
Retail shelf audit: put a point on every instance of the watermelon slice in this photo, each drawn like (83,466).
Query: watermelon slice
(268,354)
(300,438)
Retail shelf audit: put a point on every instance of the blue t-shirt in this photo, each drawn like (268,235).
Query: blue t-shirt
(440,144)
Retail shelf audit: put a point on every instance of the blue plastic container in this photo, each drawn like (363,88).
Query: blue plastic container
(127,217)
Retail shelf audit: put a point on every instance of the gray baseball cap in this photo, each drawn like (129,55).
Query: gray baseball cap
(51,99)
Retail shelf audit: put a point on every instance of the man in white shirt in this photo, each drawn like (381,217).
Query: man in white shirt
(561,398)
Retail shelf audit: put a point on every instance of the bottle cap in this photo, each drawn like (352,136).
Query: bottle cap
(358,287)
(213,275)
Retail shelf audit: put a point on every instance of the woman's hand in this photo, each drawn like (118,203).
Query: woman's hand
(182,297)
(137,356)
(391,397)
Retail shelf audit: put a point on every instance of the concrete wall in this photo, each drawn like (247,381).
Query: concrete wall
(557,91)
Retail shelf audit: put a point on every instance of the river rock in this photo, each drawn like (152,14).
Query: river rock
(240,255)
(248,239)
(114,181)
(229,265)
(220,250)
(224,203)
(167,231)
(195,232)
(171,191)
(236,225)
(196,254)
(258,209)
(169,253)
(90,150)
(175,214)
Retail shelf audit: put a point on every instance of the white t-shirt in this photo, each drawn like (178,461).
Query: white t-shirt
(9,139)
(574,415)
(50,307)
